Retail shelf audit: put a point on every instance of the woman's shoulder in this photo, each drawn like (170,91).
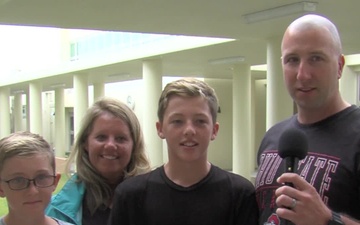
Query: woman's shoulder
(69,197)
(73,185)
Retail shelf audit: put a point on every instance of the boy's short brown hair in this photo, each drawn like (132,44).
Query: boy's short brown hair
(188,87)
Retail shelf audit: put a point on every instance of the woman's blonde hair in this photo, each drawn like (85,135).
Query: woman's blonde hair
(98,190)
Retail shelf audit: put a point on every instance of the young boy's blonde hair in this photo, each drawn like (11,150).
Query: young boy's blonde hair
(24,143)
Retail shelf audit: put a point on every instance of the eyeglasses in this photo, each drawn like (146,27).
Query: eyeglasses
(20,183)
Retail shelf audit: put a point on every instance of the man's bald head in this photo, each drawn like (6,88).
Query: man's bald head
(316,22)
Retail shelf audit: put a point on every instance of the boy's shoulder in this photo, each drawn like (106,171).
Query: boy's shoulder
(236,180)
(138,182)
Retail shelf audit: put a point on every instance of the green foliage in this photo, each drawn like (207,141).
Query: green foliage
(3,203)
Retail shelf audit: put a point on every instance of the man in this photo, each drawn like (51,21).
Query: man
(327,189)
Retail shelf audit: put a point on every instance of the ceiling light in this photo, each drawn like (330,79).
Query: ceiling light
(227,60)
(262,67)
(285,10)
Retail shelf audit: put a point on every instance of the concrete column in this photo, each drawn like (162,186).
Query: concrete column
(81,99)
(48,129)
(5,127)
(279,104)
(258,114)
(99,90)
(348,85)
(34,108)
(220,151)
(27,104)
(152,77)
(18,112)
(242,162)
(60,138)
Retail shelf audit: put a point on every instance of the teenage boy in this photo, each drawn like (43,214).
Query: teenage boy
(188,189)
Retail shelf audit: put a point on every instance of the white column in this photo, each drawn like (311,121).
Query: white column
(60,138)
(35,108)
(81,99)
(220,151)
(18,112)
(5,127)
(152,76)
(99,90)
(27,120)
(348,85)
(242,162)
(279,104)
(258,116)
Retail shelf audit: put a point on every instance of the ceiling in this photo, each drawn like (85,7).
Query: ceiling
(211,18)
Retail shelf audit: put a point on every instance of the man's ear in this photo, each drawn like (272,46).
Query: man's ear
(159,130)
(341,65)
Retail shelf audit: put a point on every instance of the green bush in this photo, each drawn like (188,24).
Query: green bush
(3,203)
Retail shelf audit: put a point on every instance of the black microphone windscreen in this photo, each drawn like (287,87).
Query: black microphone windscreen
(293,143)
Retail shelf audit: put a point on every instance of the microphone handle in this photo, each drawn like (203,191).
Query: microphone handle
(291,164)
(290,167)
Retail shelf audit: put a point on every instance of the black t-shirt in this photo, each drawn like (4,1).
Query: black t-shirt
(221,198)
(332,165)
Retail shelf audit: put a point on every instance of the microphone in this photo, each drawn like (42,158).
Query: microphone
(293,146)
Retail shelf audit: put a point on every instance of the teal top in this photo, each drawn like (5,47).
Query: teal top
(67,204)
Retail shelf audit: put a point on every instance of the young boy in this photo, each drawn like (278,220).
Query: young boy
(188,189)
(27,179)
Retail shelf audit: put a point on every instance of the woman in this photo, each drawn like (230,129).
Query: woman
(109,147)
